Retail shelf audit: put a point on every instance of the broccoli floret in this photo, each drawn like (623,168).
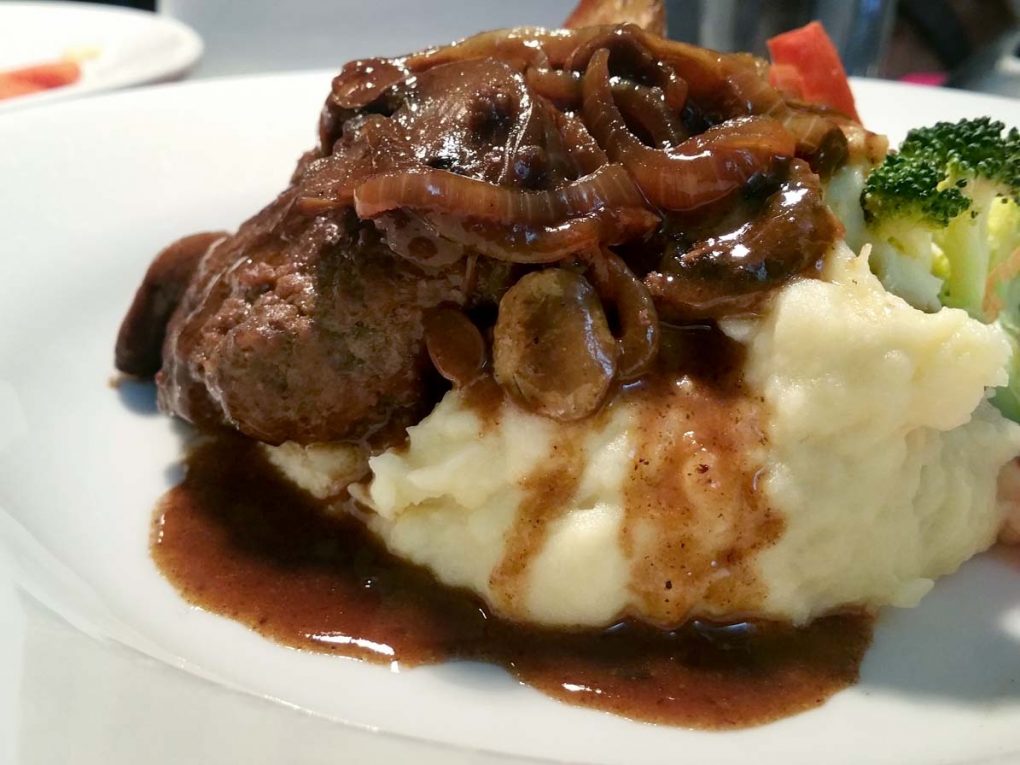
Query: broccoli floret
(906,201)
(931,201)
(943,217)
(911,190)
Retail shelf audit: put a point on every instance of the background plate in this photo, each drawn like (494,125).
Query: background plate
(132,47)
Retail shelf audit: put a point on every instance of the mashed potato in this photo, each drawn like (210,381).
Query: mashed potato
(884,451)
(868,460)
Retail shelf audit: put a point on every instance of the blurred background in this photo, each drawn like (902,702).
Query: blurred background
(962,43)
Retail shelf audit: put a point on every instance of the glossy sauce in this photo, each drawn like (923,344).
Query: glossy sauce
(237,540)
(694,515)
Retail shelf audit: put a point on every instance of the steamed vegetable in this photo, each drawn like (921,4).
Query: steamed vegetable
(33,79)
(806,64)
(943,218)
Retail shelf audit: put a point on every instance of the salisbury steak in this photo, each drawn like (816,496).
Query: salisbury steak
(443,177)
(301,329)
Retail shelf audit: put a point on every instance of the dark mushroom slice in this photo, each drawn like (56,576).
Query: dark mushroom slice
(636,317)
(455,345)
(139,349)
(731,271)
(552,347)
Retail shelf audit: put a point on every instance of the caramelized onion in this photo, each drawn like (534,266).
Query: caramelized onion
(371,145)
(631,58)
(560,86)
(470,117)
(552,348)
(746,87)
(635,312)
(362,82)
(647,107)
(584,151)
(819,138)
(522,47)
(440,191)
(702,169)
(727,273)
(644,105)
(525,46)
(546,244)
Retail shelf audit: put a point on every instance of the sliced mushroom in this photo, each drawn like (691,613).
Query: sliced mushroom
(636,316)
(731,271)
(552,348)
(139,349)
(455,345)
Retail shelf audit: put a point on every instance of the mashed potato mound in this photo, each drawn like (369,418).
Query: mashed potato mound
(884,452)
(869,461)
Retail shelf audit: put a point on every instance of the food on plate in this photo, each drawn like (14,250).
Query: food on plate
(595,355)
(39,77)
(806,66)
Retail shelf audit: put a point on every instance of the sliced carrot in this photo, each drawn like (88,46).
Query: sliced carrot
(787,80)
(12,86)
(49,75)
(811,52)
(32,79)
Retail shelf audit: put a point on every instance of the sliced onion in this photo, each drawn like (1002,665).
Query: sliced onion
(369,147)
(626,42)
(701,170)
(444,192)
(584,151)
(546,244)
(362,82)
(521,47)
(527,46)
(702,70)
(750,91)
(560,86)
(647,107)
(862,144)
(638,320)
(644,105)
(818,136)
(315,205)
(640,66)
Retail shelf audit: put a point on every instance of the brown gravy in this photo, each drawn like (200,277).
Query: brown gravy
(694,514)
(238,541)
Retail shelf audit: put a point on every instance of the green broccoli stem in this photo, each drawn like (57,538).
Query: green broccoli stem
(964,242)
(1007,398)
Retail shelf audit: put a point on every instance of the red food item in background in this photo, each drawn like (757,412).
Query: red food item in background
(787,80)
(822,78)
(32,79)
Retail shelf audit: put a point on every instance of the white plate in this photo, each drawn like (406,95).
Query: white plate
(133,47)
(81,465)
